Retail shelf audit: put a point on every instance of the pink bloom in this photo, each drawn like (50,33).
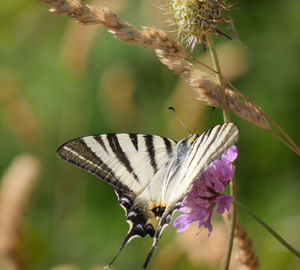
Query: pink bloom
(223,202)
(206,193)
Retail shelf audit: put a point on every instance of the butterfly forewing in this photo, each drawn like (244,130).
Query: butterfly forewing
(192,156)
(201,153)
(131,163)
(127,161)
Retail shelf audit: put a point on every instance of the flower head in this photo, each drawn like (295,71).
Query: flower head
(196,18)
(206,193)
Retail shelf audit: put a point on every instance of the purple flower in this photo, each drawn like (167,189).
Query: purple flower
(206,193)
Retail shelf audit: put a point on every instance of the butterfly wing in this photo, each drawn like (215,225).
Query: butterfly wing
(129,162)
(126,161)
(209,146)
(193,157)
(144,169)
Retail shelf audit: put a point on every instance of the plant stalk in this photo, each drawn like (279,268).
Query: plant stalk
(226,116)
(220,81)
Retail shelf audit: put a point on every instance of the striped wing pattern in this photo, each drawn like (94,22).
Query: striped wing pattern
(151,175)
(126,161)
(192,156)
(202,152)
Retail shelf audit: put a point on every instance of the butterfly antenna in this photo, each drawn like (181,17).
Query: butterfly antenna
(127,239)
(179,120)
(205,119)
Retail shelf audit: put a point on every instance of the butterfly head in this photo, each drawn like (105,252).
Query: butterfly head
(191,138)
(188,141)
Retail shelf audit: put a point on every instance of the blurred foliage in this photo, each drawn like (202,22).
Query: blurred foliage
(60,80)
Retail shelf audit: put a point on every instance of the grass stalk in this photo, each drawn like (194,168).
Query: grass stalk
(226,116)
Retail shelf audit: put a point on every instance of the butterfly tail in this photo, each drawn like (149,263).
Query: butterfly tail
(129,236)
(162,224)
(152,250)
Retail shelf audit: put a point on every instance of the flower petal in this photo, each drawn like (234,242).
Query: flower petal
(230,154)
(223,202)
(205,193)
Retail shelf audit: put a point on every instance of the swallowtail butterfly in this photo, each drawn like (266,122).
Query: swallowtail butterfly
(151,175)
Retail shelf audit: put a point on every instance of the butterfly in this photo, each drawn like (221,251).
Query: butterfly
(151,175)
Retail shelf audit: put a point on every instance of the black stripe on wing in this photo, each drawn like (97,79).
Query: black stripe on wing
(101,142)
(134,140)
(151,151)
(228,131)
(168,146)
(79,154)
(120,154)
(207,136)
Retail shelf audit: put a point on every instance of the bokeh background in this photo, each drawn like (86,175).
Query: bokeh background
(60,80)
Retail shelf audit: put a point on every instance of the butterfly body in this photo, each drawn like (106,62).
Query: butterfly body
(151,175)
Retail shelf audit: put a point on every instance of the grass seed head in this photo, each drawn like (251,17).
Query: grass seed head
(195,19)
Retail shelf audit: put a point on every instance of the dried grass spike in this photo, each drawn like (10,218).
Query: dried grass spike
(172,54)
(159,40)
(245,110)
(16,186)
(243,247)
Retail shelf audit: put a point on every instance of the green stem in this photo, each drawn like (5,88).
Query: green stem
(268,228)
(226,116)
(219,77)
(231,225)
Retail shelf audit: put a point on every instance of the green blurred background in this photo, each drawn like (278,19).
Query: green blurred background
(60,80)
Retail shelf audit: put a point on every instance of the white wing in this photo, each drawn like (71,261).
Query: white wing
(129,162)
(201,153)
(151,174)
(192,156)
(126,161)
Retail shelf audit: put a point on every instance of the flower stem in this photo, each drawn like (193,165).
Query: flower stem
(219,76)
(226,116)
